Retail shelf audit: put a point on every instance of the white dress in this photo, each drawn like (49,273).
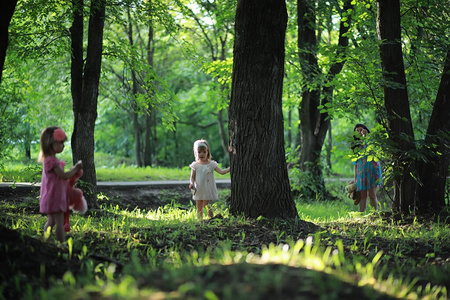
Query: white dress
(205,182)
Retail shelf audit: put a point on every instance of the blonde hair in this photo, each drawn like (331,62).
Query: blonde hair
(47,141)
(201,144)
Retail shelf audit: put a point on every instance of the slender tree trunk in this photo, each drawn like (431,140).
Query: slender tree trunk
(85,84)
(396,103)
(314,124)
(433,174)
(148,134)
(155,139)
(329,147)
(259,178)
(137,137)
(134,94)
(309,114)
(147,140)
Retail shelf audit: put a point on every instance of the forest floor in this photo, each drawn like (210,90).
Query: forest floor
(23,255)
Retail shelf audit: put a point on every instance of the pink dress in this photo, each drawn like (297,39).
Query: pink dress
(53,189)
(204,181)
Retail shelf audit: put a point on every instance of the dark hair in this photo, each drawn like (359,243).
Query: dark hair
(363,126)
(356,138)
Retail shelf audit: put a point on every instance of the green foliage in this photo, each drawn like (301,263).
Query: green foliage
(189,81)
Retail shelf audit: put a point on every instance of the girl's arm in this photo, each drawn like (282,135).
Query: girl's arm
(192,180)
(222,172)
(67,175)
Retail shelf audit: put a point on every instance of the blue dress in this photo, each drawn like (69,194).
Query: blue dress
(368,172)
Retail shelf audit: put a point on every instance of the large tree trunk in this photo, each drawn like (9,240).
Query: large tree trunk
(7,7)
(85,83)
(433,174)
(396,103)
(314,124)
(259,178)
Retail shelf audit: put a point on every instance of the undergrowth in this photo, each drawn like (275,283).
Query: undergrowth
(168,253)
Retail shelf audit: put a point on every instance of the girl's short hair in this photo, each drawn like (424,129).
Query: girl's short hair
(199,144)
(357,138)
(361,125)
(48,136)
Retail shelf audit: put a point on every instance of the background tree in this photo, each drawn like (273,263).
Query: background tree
(434,170)
(411,174)
(396,101)
(85,77)
(260,183)
(211,24)
(317,90)
(7,7)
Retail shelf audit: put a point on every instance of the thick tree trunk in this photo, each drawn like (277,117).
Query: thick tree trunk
(396,103)
(260,183)
(433,174)
(85,85)
(223,134)
(7,7)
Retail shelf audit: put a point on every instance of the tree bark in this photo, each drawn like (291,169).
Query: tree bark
(433,174)
(223,134)
(148,117)
(147,139)
(259,178)
(314,124)
(85,83)
(396,103)
(7,7)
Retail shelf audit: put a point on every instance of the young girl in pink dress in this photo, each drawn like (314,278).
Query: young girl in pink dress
(54,185)
(202,179)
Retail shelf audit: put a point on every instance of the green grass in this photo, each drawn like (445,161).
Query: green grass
(31,172)
(167,253)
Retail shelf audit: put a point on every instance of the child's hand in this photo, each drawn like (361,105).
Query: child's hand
(191,186)
(79,165)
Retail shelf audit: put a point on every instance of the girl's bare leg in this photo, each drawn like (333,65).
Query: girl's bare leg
(210,211)
(363,202)
(200,205)
(59,228)
(373,197)
(50,223)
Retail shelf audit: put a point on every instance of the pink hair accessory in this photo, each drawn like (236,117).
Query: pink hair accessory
(59,135)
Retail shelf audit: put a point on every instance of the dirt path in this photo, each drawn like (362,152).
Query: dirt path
(137,194)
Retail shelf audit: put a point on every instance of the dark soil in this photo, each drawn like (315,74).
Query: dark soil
(22,256)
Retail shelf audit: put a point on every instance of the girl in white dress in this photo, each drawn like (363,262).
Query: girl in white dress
(202,179)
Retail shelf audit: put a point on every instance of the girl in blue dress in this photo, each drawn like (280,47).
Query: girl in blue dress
(367,171)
